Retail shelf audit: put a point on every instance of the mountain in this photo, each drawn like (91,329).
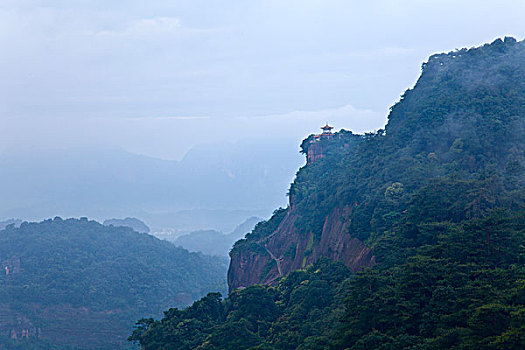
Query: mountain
(77,283)
(213,242)
(244,228)
(209,242)
(222,183)
(410,237)
(185,221)
(463,119)
(133,223)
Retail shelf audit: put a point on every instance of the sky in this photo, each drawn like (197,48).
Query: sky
(159,77)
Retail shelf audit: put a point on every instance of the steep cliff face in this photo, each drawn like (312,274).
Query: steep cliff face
(287,249)
(308,229)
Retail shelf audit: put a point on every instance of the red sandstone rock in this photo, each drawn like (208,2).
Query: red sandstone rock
(292,250)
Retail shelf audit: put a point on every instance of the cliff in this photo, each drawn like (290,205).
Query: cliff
(287,249)
(288,241)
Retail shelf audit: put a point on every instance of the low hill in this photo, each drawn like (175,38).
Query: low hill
(81,284)
(212,242)
(133,223)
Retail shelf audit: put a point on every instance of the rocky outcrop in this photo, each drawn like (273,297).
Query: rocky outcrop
(287,249)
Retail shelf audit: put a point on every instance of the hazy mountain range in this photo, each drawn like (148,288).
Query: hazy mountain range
(213,187)
(213,242)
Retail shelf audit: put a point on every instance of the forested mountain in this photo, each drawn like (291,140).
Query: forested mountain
(428,216)
(77,283)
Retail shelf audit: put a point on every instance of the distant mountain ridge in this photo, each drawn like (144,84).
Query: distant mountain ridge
(133,223)
(211,242)
(250,176)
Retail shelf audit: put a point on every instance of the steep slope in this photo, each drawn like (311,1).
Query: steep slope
(287,249)
(79,283)
(463,118)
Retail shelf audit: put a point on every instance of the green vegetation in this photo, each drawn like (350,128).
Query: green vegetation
(439,195)
(463,288)
(257,317)
(262,229)
(77,282)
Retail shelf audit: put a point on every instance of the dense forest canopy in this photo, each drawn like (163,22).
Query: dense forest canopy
(76,282)
(439,197)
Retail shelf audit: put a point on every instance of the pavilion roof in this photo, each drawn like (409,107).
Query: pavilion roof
(327,127)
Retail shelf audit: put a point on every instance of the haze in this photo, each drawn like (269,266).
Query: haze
(158,78)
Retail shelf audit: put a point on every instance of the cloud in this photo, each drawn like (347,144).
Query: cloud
(160,118)
(385,51)
(185,72)
(170,137)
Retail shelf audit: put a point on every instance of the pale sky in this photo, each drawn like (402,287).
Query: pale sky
(157,77)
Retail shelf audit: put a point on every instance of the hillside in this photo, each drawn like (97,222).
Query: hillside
(79,283)
(428,216)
